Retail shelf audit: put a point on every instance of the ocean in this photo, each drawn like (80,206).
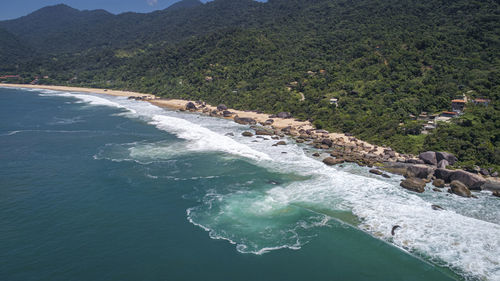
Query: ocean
(96,187)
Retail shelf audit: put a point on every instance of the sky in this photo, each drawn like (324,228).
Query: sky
(11,9)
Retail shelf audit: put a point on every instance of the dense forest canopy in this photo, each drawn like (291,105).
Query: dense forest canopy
(384,60)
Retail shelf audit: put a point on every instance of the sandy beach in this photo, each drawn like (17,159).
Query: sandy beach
(296,127)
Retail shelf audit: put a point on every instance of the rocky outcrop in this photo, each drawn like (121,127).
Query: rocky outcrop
(376,172)
(443,174)
(333,161)
(190,106)
(247,134)
(414,161)
(414,184)
(263,132)
(284,115)
(458,188)
(244,121)
(443,164)
(280,143)
(221,107)
(227,113)
(429,157)
(419,171)
(327,142)
(438,183)
(472,181)
(491,185)
(446,156)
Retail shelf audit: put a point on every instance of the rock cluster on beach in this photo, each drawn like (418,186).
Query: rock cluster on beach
(429,166)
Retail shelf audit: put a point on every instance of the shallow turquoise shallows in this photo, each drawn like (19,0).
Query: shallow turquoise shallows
(103,188)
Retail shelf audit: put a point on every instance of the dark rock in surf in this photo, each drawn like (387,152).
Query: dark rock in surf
(437,208)
(438,183)
(376,172)
(460,189)
(491,185)
(333,161)
(413,184)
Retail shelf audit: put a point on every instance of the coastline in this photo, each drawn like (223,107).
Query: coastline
(304,131)
(332,148)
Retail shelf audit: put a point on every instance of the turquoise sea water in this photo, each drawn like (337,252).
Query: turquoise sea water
(102,188)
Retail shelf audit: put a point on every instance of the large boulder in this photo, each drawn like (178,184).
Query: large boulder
(446,156)
(438,183)
(419,171)
(460,189)
(284,115)
(263,132)
(227,113)
(443,174)
(247,134)
(414,161)
(333,161)
(429,157)
(484,172)
(327,141)
(442,164)
(491,185)
(472,181)
(376,172)
(244,121)
(190,106)
(221,107)
(414,184)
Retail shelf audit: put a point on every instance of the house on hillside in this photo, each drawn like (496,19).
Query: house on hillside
(457,106)
(484,102)
(334,101)
(10,77)
(449,114)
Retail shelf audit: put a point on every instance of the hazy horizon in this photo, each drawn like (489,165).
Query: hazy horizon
(16,9)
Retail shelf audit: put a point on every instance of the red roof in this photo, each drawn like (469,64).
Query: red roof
(458,101)
(481,100)
(449,112)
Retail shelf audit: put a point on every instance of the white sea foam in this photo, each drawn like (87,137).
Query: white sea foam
(464,237)
(203,139)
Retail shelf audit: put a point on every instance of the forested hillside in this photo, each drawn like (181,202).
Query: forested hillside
(384,60)
(12,50)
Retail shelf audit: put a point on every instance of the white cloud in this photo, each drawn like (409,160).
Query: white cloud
(152,2)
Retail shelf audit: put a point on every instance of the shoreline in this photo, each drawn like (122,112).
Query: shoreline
(338,147)
(304,131)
